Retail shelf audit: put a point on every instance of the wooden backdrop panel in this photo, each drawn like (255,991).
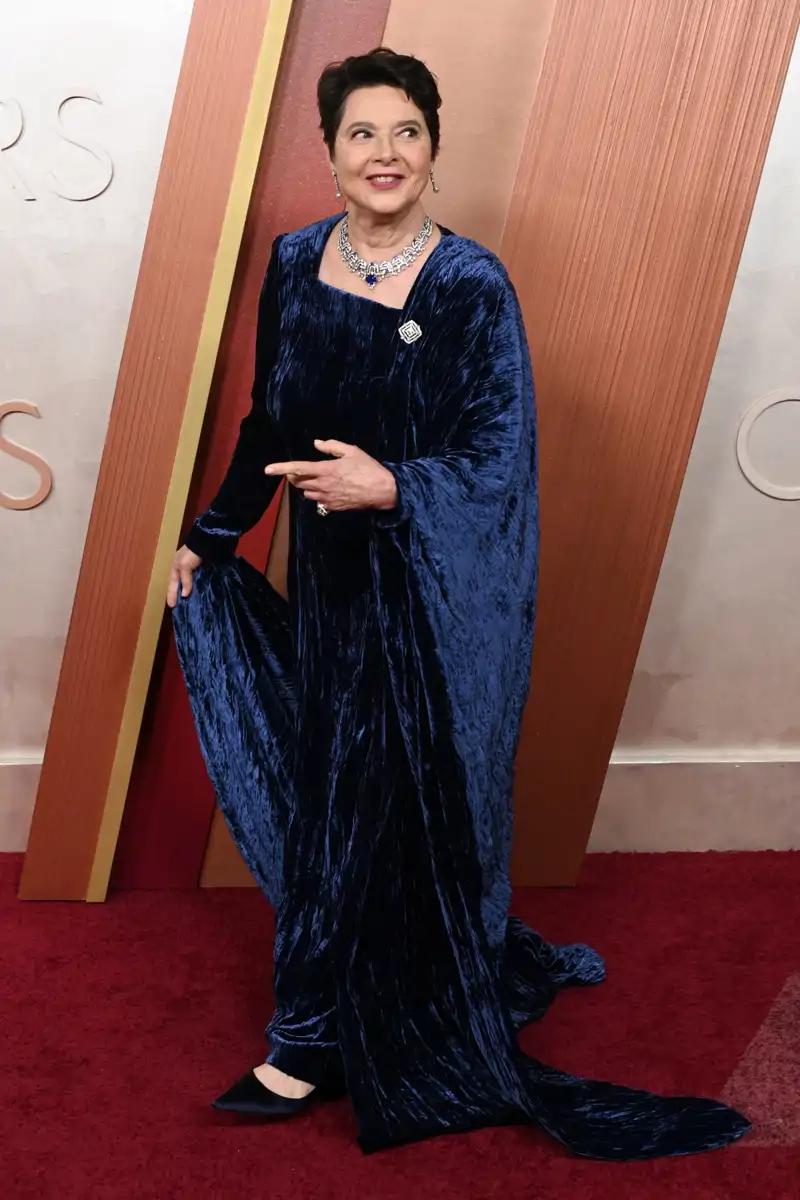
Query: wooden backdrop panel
(223,95)
(637,180)
(171,803)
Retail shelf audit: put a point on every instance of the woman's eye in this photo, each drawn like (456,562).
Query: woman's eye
(412,132)
(361,133)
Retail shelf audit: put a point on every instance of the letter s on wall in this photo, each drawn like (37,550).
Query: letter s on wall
(97,152)
(28,456)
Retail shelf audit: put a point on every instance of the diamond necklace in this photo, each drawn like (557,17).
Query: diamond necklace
(373,272)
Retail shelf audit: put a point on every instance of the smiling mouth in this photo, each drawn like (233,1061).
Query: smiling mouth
(385,180)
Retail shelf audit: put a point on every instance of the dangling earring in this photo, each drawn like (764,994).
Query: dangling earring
(434,184)
(336,181)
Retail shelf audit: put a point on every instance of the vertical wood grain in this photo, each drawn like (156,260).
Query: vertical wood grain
(171,803)
(637,180)
(223,865)
(223,49)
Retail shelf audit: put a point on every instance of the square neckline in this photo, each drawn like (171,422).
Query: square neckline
(328,230)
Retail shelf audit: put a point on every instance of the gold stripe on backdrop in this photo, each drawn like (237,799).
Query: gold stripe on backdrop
(197,397)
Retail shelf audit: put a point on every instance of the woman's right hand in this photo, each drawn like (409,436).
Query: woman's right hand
(184,565)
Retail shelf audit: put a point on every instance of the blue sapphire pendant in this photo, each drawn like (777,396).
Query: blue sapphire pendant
(370,280)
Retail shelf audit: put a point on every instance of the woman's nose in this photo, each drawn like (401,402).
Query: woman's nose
(384,151)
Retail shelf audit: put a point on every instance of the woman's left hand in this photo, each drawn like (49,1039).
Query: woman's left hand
(351,479)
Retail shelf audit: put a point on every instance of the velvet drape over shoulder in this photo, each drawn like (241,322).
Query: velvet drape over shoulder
(361,736)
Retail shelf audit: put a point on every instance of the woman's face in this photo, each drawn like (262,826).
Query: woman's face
(382,154)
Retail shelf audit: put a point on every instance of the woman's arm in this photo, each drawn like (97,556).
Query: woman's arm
(246,491)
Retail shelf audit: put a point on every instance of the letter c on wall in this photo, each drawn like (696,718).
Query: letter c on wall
(28,456)
(776,490)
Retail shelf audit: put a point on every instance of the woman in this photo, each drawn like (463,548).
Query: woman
(361,738)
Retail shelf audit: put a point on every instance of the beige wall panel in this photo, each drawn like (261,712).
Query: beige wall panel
(18,783)
(487,59)
(718,672)
(668,806)
(73,216)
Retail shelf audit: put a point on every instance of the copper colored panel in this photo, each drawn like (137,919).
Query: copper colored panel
(488,71)
(637,180)
(293,187)
(223,865)
(278,562)
(488,77)
(157,364)
(171,802)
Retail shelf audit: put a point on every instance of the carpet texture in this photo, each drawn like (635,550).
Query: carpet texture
(121,1021)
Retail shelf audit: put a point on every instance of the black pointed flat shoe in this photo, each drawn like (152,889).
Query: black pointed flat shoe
(249,1095)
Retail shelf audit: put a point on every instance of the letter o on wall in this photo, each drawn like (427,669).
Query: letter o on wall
(775,490)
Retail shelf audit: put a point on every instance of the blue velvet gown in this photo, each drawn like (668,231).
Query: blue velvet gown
(361,737)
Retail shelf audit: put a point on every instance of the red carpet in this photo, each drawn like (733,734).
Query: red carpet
(120,1022)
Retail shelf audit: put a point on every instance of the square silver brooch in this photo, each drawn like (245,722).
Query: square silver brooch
(410,332)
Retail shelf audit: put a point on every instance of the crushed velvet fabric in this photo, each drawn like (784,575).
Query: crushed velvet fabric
(361,736)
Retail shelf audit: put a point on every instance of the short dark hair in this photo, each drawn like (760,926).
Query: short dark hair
(380,68)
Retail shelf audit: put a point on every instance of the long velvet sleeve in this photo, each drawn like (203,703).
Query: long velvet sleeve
(246,491)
